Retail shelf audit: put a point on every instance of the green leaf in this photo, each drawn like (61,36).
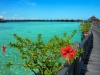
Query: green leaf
(65,34)
(48,72)
(23,57)
(9,64)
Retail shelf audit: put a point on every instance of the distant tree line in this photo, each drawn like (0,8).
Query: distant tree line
(58,20)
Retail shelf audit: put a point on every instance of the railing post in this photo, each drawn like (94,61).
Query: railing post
(76,65)
(91,41)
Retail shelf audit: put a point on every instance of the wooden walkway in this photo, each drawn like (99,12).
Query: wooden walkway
(92,62)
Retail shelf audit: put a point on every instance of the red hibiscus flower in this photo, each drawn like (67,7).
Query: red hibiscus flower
(68,51)
(3,49)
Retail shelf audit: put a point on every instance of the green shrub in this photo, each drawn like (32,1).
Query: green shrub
(85,27)
(39,55)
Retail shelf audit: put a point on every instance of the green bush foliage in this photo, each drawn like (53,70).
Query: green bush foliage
(85,27)
(39,55)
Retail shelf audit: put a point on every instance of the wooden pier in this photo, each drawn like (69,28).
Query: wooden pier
(89,62)
(92,62)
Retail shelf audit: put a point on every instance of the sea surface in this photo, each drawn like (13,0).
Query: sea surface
(29,30)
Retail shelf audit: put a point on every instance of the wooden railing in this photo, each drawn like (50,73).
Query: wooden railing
(76,66)
(96,24)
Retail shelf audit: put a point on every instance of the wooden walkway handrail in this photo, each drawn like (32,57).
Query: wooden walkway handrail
(97,24)
(76,66)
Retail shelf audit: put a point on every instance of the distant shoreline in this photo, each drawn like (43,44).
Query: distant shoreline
(42,20)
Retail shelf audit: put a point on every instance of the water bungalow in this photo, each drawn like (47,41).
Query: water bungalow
(93,19)
(2,20)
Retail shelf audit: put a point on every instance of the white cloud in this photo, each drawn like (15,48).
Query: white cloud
(8,17)
(12,17)
(15,14)
(4,12)
(32,4)
(36,18)
(1,17)
(28,2)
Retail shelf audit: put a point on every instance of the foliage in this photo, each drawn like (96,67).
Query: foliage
(9,64)
(78,54)
(39,55)
(85,27)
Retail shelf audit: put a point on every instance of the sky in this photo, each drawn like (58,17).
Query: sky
(49,9)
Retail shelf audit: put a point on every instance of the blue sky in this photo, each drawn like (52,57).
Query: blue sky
(49,9)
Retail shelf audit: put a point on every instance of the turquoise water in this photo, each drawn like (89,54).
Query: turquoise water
(30,30)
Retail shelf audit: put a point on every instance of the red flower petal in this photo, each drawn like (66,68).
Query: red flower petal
(68,51)
(69,48)
(71,54)
(3,48)
(64,52)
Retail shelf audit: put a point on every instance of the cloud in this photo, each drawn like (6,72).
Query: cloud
(1,17)
(15,14)
(31,4)
(28,2)
(4,12)
(12,17)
